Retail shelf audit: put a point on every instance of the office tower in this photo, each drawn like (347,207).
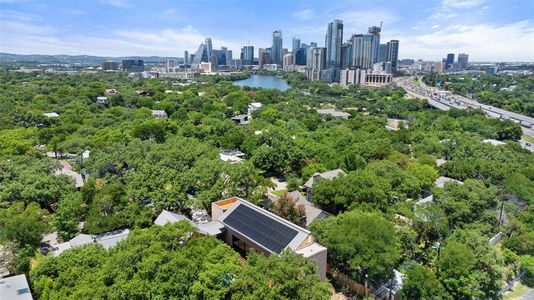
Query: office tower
(333,43)
(450,61)
(296,45)
(223,54)
(209,47)
(214,59)
(191,57)
(463,60)
(228,57)
(110,66)
(374,31)
(200,56)
(346,55)
(284,51)
(318,63)
(276,49)
(382,53)
(300,57)
(186,57)
(289,62)
(393,54)
(133,65)
(169,65)
(247,55)
(264,57)
(362,50)
(309,54)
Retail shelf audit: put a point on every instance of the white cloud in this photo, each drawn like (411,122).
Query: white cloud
(461,3)
(31,38)
(360,20)
(435,26)
(304,14)
(116,3)
(483,42)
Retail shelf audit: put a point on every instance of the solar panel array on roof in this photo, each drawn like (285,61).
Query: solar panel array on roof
(266,231)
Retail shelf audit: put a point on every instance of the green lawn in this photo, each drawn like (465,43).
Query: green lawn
(518,291)
(527,138)
(279,193)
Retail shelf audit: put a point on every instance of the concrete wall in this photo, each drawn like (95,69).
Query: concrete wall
(216,211)
(320,259)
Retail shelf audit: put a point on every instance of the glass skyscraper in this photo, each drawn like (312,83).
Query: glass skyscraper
(276,49)
(296,45)
(333,43)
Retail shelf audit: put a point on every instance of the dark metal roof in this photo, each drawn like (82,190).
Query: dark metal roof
(260,228)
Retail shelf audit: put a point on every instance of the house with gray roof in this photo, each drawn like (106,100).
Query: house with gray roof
(328,175)
(248,227)
(442,180)
(107,240)
(334,113)
(312,213)
(15,288)
(213,228)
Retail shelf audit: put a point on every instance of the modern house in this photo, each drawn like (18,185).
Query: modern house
(51,115)
(253,107)
(241,119)
(442,180)
(102,100)
(248,227)
(334,113)
(328,175)
(231,156)
(15,288)
(107,240)
(159,114)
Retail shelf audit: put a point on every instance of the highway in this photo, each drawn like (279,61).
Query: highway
(446,100)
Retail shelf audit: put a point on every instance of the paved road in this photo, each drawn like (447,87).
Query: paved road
(447,100)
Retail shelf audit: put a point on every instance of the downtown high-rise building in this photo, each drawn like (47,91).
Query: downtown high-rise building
(449,62)
(277,48)
(170,64)
(333,44)
(247,55)
(186,57)
(346,55)
(296,45)
(309,54)
(209,48)
(382,53)
(374,31)
(393,54)
(363,51)
(229,57)
(463,59)
(133,65)
(317,63)
(200,56)
(289,62)
(300,56)
(110,66)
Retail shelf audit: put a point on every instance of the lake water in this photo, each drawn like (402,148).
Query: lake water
(264,81)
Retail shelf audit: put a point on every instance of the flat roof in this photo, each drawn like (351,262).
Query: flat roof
(15,288)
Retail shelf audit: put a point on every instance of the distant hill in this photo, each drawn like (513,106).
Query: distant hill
(62,59)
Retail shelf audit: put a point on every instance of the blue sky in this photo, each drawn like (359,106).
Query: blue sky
(488,30)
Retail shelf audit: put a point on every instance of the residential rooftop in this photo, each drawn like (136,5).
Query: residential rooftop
(107,240)
(15,288)
(329,175)
(334,113)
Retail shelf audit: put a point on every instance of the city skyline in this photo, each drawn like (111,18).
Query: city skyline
(427,30)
